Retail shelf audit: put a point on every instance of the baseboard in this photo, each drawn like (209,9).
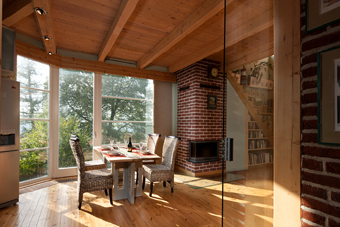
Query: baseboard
(210,173)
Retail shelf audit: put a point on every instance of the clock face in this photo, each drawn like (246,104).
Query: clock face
(214,72)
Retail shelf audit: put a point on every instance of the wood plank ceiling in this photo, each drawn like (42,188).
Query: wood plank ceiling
(171,34)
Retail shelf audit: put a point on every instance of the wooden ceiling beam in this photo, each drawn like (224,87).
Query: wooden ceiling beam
(246,30)
(38,54)
(16,11)
(123,14)
(204,12)
(45,24)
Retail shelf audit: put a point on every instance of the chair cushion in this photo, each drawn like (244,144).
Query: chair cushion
(97,174)
(95,164)
(157,173)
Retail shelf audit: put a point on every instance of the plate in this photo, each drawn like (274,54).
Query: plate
(105,147)
(146,152)
(113,152)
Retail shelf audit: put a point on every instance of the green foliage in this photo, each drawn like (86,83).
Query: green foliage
(69,125)
(126,110)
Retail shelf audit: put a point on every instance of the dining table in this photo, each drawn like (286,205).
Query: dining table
(129,162)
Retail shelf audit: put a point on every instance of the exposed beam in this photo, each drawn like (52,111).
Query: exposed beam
(17,10)
(45,24)
(38,54)
(204,12)
(246,30)
(123,14)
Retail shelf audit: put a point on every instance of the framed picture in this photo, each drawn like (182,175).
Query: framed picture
(320,13)
(211,102)
(328,96)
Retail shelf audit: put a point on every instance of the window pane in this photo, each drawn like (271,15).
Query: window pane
(33,104)
(32,73)
(33,134)
(126,110)
(120,131)
(128,87)
(33,164)
(75,113)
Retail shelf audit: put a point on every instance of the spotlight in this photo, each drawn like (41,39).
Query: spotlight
(47,38)
(50,53)
(39,11)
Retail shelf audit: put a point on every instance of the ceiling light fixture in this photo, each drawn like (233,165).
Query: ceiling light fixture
(40,11)
(47,38)
(50,53)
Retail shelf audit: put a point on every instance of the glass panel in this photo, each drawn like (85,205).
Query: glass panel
(75,113)
(33,134)
(33,164)
(32,73)
(126,110)
(128,87)
(250,124)
(33,104)
(119,131)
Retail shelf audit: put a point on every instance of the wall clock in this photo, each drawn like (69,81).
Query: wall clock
(212,72)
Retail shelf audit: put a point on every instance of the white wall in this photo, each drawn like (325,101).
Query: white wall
(162,110)
(236,128)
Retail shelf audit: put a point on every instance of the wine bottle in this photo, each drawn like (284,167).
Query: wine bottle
(130,145)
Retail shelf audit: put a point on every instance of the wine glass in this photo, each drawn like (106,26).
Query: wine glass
(140,146)
(125,142)
(118,144)
(112,142)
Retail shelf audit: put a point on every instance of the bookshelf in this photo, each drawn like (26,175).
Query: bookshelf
(259,149)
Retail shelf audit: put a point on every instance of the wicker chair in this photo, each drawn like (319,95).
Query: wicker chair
(152,146)
(153,142)
(165,171)
(93,180)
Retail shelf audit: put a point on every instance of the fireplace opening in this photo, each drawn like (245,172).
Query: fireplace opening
(203,151)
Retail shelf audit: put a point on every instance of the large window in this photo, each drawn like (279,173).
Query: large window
(34,80)
(75,114)
(52,107)
(127,108)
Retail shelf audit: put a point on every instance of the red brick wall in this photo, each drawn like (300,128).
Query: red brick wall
(320,164)
(194,120)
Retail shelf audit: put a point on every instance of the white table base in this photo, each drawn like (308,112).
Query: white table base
(126,192)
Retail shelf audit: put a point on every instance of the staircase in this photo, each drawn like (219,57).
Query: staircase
(249,104)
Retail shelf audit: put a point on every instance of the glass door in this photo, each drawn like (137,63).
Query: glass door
(76,89)
(34,78)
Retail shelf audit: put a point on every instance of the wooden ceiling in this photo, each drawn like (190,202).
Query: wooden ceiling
(172,34)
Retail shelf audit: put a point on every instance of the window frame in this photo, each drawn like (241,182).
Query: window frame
(50,138)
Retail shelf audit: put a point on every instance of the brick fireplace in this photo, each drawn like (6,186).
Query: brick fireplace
(195,122)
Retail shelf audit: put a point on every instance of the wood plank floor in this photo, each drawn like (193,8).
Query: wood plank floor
(247,202)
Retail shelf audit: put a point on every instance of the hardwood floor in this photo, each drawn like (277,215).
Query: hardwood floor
(248,202)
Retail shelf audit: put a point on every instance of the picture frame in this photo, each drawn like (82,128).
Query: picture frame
(212,102)
(320,13)
(328,93)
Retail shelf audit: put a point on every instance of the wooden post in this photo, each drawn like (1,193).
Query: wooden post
(287,113)
(0,52)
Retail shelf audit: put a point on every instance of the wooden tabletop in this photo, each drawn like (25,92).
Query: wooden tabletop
(129,156)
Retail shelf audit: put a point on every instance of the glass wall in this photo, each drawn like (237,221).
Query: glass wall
(34,80)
